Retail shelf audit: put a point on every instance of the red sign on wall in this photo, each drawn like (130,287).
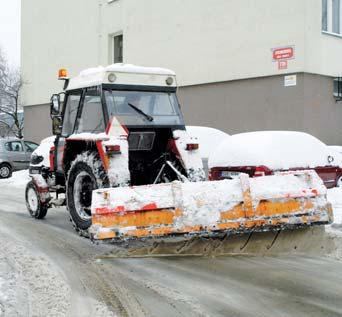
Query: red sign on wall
(282,64)
(283,53)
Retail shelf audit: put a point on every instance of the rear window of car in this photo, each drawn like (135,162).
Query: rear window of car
(30,146)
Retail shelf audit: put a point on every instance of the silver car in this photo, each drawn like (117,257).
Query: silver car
(15,155)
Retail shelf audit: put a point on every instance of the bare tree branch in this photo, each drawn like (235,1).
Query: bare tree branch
(10,107)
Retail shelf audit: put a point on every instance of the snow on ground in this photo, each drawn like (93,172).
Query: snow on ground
(30,285)
(18,180)
(335,197)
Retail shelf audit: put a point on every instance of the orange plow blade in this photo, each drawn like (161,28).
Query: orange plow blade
(284,201)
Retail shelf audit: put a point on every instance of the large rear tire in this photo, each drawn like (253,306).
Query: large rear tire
(85,175)
(35,207)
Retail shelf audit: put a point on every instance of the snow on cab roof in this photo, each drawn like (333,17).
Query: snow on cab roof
(278,150)
(124,74)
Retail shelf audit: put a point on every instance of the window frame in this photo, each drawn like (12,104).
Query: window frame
(328,15)
(81,105)
(68,93)
(111,46)
(26,150)
(10,148)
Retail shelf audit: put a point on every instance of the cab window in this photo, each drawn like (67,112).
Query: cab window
(91,118)
(70,113)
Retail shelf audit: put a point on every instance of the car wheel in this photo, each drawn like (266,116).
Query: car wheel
(34,206)
(5,171)
(339,182)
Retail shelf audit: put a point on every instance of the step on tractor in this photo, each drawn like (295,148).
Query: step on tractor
(125,167)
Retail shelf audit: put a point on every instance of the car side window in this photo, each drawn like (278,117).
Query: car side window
(15,146)
(70,113)
(8,147)
(91,119)
(30,146)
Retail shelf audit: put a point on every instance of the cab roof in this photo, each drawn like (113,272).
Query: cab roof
(123,74)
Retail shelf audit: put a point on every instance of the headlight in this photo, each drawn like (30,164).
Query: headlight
(36,159)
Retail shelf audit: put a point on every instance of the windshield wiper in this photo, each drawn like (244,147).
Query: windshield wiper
(147,116)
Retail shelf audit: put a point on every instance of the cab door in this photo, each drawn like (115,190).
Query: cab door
(71,106)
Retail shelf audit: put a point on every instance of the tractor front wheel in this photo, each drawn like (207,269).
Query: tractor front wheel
(35,207)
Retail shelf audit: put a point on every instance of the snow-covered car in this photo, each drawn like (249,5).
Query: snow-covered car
(267,152)
(41,156)
(208,139)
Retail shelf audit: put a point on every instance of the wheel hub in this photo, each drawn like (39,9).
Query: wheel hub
(32,200)
(83,187)
(4,171)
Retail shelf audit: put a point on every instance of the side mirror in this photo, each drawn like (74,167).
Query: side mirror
(57,125)
(55,106)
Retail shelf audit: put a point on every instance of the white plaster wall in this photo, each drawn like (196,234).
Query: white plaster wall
(209,41)
(56,34)
(203,41)
(323,52)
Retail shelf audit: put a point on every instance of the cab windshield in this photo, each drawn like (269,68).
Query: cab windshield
(134,108)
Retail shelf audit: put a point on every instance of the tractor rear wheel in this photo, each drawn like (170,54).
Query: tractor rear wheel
(85,175)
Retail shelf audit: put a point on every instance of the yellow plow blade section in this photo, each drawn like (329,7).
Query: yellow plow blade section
(284,201)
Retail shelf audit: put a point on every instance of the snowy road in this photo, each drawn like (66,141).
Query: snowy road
(47,270)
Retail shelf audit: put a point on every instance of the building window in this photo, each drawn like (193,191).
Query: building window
(118,48)
(332,16)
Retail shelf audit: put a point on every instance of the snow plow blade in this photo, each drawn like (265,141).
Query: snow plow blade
(284,201)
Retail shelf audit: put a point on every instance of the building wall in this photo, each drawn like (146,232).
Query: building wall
(322,51)
(38,124)
(203,42)
(55,34)
(220,50)
(209,42)
(245,105)
(265,104)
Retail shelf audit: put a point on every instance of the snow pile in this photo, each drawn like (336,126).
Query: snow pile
(44,150)
(278,150)
(87,136)
(19,179)
(335,198)
(337,148)
(191,159)
(209,138)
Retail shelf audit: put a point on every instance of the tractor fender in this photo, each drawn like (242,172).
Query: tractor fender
(42,188)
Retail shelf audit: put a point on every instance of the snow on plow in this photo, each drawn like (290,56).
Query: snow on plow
(284,201)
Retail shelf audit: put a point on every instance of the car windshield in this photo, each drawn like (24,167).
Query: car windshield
(143,108)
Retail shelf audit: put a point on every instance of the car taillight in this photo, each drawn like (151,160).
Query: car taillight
(261,171)
(113,149)
(192,146)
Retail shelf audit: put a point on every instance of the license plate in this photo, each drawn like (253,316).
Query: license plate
(229,175)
